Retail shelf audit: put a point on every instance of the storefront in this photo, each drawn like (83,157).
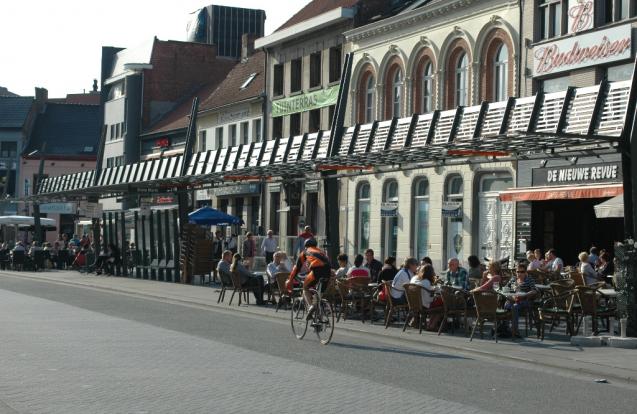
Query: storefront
(555,202)
(241,200)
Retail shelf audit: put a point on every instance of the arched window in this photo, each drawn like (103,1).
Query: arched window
(501,73)
(389,216)
(363,210)
(452,210)
(462,80)
(370,96)
(421,217)
(428,88)
(397,93)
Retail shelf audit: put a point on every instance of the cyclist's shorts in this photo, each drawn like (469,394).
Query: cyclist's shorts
(319,273)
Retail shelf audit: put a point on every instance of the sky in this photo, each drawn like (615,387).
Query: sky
(56,44)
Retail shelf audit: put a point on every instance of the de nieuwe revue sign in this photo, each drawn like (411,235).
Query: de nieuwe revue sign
(578,174)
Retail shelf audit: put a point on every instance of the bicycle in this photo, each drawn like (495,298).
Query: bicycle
(322,320)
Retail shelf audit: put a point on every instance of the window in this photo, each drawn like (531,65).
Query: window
(248,81)
(8,149)
(117,131)
(501,73)
(335,64)
(278,80)
(330,115)
(315,69)
(390,219)
(218,138)
(397,93)
(117,90)
(619,72)
(428,88)
(277,127)
(614,10)
(275,214)
(295,124)
(296,72)
(551,18)
(462,81)
(245,129)
(233,135)
(123,128)
(202,141)
(370,96)
(256,130)
(454,190)
(555,84)
(421,217)
(112,127)
(363,210)
(315,120)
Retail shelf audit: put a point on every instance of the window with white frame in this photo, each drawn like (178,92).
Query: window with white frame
(218,138)
(202,141)
(256,130)
(552,18)
(233,135)
(462,80)
(428,88)
(501,73)
(390,221)
(370,94)
(245,131)
(363,211)
(397,93)
(421,217)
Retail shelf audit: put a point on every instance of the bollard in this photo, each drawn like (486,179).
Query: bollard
(611,326)
(623,322)
(587,325)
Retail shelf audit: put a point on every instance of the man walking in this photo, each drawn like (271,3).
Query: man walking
(268,247)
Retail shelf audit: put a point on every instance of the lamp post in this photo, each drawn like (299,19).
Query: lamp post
(37,236)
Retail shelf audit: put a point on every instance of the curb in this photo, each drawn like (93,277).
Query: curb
(420,341)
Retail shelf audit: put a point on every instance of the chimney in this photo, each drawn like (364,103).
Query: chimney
(247,45)
(41,97)
(94,86)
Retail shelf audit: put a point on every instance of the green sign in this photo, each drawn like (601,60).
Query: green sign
(305,102)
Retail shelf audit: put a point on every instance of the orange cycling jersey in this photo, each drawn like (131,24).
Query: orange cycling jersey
(317,262)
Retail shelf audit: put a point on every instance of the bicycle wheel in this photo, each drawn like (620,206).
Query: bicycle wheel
(298,318)
(324,322)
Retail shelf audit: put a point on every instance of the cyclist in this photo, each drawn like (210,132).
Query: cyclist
(319,269)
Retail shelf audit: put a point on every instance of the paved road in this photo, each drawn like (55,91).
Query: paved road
(78,350)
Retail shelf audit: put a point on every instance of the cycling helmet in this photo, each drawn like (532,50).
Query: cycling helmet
(310,243)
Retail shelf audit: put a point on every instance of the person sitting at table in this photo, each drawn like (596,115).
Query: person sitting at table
(490,277)
(585,268)
(358,270)
(475,269)
(553,264)
(277,265)
(404,275)
(248,280)
(35,247)
(522,298)
(425,278)
(605,267)
(343,266)
(456,275)
(388,271)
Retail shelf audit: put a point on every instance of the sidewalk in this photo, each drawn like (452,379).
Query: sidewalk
(604,362)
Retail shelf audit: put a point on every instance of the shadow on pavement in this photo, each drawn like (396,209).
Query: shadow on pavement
(423,354)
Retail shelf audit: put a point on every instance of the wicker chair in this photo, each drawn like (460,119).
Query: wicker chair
(588,299)
(558,305)
(487,310)
(238,288)
(413,293)
(454,306)
(284,296)
(577,277)
(390,306)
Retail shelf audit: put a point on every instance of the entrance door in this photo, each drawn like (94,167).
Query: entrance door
(496,226)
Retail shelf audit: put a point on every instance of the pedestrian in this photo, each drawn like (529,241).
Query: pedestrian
(269,247)
(231,243)
(305,235)
(249,250)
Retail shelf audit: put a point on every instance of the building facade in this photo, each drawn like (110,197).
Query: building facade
(433,58)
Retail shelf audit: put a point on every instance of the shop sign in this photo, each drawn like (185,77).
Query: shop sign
(160,199)
(89,209)
(58,208)
(312,187)
(592,48)
(234,116)
(274,188)
(305,102)
(389,210)
(580,15)
(239,189)
(451,209)
(578,174)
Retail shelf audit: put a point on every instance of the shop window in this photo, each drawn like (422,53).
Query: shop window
(620,72)
(363,210)
(245,130)
(335,64)
(275,214)
(428,88)
(555,84)
(390,221)
(278,80)
(462,81)
(218,137)
(233,135)
(421,218)
(315,69)
(296,72)
(501,73)
(552,19)
(295,124)
(202,141)
(256,130)
(277,127)
(315,120)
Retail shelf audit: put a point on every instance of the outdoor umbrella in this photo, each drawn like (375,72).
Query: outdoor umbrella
(210,216)
(612,208)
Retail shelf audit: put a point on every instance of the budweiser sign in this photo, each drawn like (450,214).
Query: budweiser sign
(593,48)
(580,15)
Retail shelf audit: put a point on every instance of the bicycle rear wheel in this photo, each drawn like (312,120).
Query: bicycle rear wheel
(324,322)
(299,318)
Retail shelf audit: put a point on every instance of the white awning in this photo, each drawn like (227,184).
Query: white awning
(613,208)
(25,221)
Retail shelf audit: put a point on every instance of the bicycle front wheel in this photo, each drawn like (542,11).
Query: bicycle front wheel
(299,318)
(324,322)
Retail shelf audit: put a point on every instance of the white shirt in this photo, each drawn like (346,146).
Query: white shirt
(269,245)
(403,276)
(556,265)
(426,296)
(590,275)
(342,272)
(274,268)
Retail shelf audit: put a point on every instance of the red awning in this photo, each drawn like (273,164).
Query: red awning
(561,193)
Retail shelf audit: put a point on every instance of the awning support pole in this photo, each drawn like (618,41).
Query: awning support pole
(182,196)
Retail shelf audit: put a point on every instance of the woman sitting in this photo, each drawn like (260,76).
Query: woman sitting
(343,266)
(389,270)
(605,267)
(522,298)
(475,269)
(585,268)
(425,278)
(491,277)
(358,270)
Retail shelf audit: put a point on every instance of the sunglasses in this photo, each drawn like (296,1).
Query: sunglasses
(521,271)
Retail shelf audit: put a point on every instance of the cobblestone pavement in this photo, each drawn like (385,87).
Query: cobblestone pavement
(66,349)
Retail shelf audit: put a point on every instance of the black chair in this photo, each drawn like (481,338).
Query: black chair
(62,259)
(18,259)
(39,260)
(4,259)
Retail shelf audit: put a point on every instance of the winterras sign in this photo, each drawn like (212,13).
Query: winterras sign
(305,102)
